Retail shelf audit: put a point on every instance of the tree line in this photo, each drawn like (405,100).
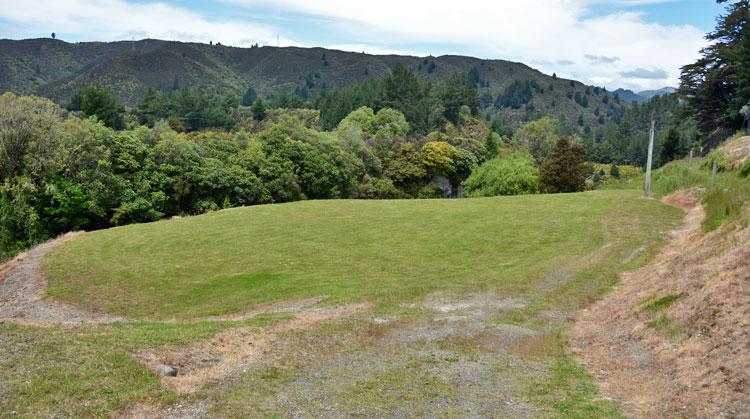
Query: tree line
(63,170)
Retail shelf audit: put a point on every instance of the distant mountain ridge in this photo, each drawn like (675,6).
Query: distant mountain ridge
(645,95)
(57,69)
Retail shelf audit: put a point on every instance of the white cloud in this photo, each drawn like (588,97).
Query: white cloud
(553,35)
(542,31)
(642,73)
(375,49)
(106,20)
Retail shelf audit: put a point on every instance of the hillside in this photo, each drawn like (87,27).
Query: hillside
(57,69)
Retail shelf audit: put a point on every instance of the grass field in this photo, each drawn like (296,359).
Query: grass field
(546,254)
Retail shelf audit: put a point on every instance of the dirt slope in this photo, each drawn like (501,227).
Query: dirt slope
(674,339)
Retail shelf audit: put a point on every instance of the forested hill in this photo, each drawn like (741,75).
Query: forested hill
(57,69)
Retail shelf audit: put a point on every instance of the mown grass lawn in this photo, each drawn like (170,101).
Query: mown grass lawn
(381,251)
(553,252)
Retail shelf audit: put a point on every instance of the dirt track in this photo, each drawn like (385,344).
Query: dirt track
(696,363)
(22,293)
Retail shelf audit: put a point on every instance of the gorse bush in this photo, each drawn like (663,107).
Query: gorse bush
(514,174)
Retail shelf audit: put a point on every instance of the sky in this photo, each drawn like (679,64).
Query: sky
(633,44)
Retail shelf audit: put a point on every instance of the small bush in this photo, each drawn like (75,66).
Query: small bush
(720,158)
(614,171)
(430,192)
(661,303)
(745,169)
(515,174)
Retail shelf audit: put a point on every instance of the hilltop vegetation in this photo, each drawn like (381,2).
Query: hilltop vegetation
(58,70)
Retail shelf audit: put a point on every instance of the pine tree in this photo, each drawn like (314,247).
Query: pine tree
(714,86)
(741,95)
(671,149)
(259,110)
(99,102)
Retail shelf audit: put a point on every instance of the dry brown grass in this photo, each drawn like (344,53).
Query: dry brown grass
(690,358)
(737,151)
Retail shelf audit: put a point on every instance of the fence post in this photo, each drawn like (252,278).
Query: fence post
(714,169)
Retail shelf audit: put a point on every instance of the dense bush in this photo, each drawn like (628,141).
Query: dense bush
(515,174)
(59,172)
(538,137)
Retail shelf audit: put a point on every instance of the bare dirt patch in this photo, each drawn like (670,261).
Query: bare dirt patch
(22,293)
(673,339)
(232,352)
(449,342)
(291,306)
(401,358)
(476,305)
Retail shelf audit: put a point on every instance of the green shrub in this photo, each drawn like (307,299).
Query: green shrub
(430,192)
(720,158)
(661,303)
(745,169)
(614,171)
(515,174)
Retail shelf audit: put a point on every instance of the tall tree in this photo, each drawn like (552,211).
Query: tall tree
(99,102)
(457,94)
(671,149)
(565,169)
(404,92)
(710,85)
(259,110)
(741,97)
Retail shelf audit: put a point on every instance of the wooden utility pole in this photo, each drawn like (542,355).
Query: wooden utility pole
(650,155)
